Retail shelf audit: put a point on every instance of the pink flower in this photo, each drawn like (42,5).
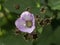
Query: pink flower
(21,23)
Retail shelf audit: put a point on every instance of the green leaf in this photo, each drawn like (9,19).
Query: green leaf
(33,5)
(1,14)
(56,35)
(58,15)
(1,33)
(38,5)
(11,39)
(47,32)
(55,4)
(3,21)
(11,5)
(0,7)
(40,30)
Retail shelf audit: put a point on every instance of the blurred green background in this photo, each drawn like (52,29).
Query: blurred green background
(10,10)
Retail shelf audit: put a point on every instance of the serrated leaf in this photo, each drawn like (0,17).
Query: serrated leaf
(11,5)
(33,5)
(55,4)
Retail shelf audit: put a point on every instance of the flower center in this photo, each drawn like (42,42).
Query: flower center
(29,24)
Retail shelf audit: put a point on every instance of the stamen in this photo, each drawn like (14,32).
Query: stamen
(29,23)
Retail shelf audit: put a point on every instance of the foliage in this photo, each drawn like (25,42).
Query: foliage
(48,34)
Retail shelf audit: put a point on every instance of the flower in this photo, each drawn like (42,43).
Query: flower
(26,22)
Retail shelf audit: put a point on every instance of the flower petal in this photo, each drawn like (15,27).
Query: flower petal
(27,15)
(21,22)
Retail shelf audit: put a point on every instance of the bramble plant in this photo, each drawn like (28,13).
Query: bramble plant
(29,22)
